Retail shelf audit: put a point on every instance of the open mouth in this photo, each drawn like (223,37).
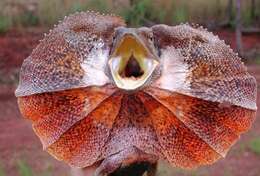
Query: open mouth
(131,64)
(132,69)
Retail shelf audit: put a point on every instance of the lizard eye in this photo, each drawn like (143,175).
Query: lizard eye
(151,38)
(114,36)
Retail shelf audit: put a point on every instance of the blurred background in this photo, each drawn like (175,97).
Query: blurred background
(24,22)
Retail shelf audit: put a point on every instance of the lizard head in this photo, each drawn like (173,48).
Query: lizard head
(133,57)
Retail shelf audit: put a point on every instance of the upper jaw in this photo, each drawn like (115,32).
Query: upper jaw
(131,64)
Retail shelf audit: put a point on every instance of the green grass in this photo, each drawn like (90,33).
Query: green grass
(2,172)
(257,60)
(77,7)
(24,169)
(5,24)
(29,19)
(98,5)
(254,145)
(180,15)
(142,12)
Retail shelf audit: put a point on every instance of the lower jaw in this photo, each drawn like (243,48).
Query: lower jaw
(131,83)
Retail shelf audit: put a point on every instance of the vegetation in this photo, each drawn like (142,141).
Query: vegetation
(254,145)
(257,60)
(24,169)
(98,5)
(2,173)
(136,12)
(29,19)
(143,12)
(4,24)
(180,15)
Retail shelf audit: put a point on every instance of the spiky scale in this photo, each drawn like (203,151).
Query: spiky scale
(62,60)
(205,67)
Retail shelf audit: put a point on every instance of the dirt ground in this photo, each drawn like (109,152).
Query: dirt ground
(19,143)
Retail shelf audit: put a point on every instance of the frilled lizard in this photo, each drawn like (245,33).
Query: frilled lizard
(106,96)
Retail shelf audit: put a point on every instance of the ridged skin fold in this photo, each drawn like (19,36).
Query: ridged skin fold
(190,114)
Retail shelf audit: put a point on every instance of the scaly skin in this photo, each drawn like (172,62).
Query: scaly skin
(193,108)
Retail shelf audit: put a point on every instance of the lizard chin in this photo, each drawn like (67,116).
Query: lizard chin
(127,161)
